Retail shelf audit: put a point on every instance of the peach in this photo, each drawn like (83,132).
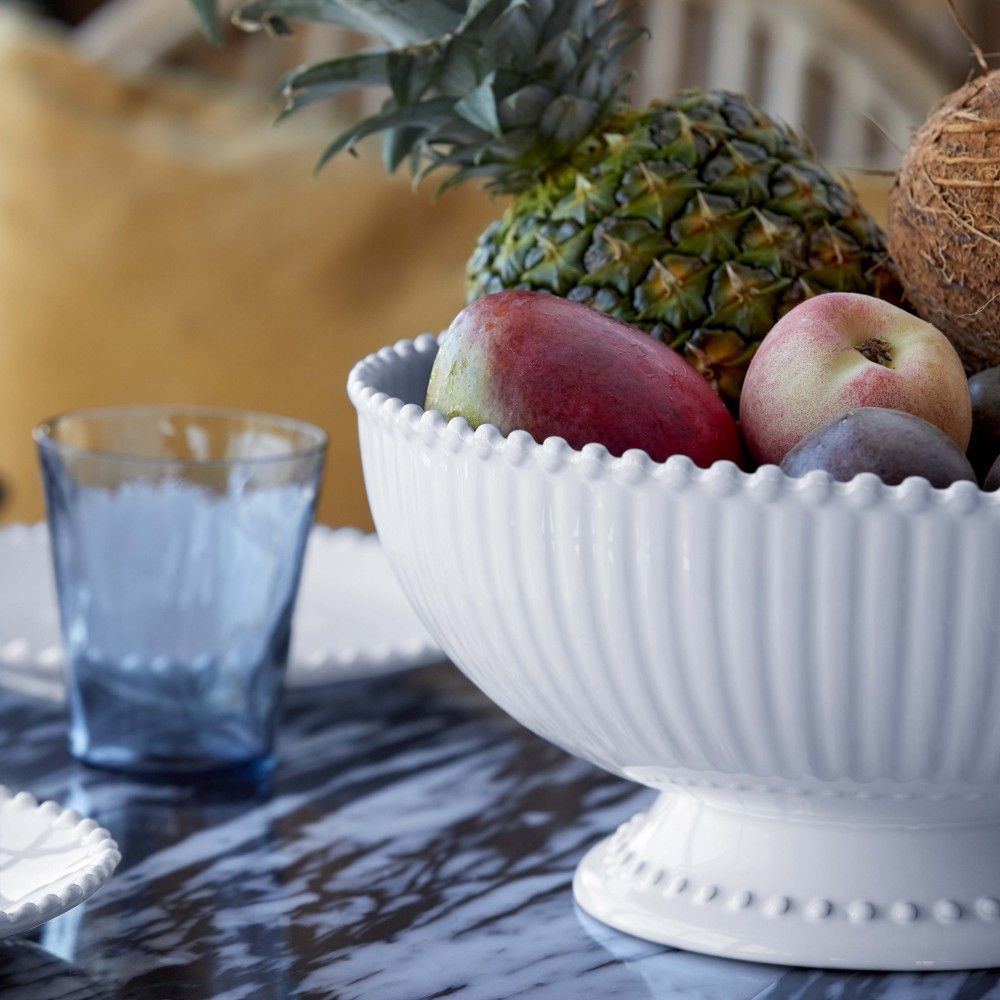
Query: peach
(841,351)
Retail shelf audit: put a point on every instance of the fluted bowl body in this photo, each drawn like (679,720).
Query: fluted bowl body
(671,623)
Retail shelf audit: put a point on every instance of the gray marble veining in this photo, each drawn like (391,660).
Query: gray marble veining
(414,844)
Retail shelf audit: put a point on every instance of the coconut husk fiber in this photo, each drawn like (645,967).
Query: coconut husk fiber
(944,220)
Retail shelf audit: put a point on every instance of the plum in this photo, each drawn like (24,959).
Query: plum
(984,387)
(992,481)
(889,443)
(538,363)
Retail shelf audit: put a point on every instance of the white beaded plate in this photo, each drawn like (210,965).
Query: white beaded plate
(351,621)
(51,859)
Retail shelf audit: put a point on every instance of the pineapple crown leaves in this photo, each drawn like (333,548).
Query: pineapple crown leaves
(399,22)
(497,89)
(208,17)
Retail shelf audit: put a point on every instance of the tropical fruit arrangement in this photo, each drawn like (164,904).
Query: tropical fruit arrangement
(684,278)
(844,382)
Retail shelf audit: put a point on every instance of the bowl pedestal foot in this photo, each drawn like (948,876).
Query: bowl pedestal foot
(780,882)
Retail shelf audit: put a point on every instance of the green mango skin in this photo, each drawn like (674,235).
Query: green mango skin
(554,368)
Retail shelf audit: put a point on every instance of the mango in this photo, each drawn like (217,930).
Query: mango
(539,363)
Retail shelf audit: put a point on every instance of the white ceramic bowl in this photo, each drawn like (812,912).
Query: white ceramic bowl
(808,671)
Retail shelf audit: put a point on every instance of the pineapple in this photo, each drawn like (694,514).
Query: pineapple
(698,219)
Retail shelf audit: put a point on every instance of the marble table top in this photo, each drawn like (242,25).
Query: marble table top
(415,844)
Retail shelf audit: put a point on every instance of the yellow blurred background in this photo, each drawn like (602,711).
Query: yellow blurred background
(161,242)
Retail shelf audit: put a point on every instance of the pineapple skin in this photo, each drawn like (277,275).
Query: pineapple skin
(699,220)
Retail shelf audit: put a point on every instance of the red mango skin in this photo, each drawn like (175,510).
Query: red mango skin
(554,368)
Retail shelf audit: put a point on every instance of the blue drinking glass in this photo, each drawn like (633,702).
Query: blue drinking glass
(177,536)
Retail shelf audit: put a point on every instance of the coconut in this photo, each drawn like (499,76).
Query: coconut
(944,220)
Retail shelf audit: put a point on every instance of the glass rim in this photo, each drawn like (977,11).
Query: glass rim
(43,434)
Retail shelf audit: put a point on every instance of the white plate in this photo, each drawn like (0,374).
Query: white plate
(351,619)
(51,859)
